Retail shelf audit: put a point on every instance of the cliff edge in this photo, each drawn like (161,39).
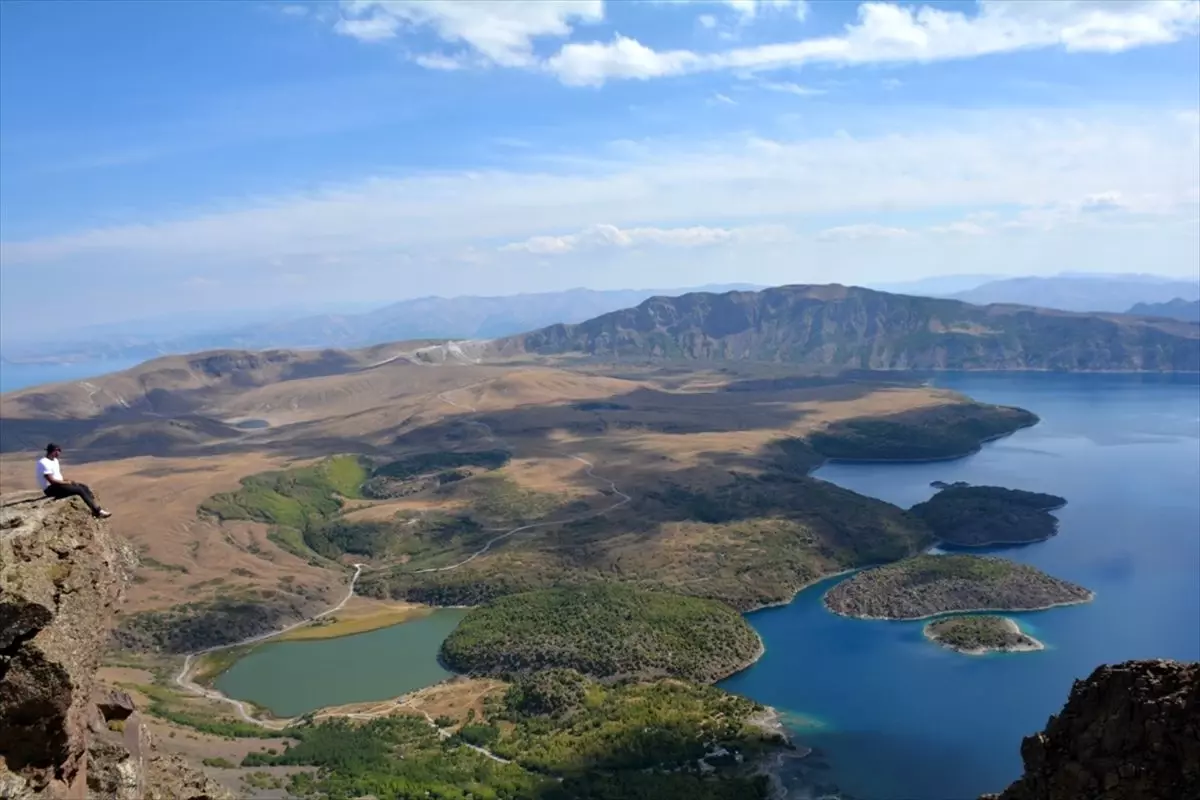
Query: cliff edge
(62,580)
(1129,731)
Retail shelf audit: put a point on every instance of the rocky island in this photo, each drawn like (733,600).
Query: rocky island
(978,634)
(926,586)
(979,516)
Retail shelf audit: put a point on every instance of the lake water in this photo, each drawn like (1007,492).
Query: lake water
(22,376)
(292,678)
(903,719)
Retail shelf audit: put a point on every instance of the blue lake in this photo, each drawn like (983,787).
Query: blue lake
(901,719)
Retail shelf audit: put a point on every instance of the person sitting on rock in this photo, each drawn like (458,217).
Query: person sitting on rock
(52,483)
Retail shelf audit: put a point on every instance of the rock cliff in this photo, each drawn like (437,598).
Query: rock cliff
(1129,731)
(62,579)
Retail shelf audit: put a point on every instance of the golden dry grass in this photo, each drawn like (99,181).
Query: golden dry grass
(671,426)
(360,615)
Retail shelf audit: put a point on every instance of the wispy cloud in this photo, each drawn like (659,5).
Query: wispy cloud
(1058,163)
(868,230)
(792,88)
(604,236)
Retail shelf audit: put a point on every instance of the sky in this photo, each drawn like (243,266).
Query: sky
(214,157)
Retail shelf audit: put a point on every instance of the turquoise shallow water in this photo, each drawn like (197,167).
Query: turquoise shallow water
(906,720)
(292,678)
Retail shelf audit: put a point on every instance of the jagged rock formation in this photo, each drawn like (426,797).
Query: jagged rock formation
(62,579)
(1129,731)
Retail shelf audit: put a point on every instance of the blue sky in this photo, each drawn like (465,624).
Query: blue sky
(215,156)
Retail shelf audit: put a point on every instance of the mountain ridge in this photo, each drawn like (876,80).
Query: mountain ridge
(833,325)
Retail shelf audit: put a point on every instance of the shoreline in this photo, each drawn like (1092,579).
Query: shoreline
(1034,645)
(963,611)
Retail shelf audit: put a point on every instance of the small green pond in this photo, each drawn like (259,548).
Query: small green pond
(292,678)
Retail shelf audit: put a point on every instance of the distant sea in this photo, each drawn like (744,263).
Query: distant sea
(901,719)
(22,376)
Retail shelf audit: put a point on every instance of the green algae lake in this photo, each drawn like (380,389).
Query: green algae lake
(293,678)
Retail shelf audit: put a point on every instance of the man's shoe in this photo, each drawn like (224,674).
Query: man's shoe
(102,514)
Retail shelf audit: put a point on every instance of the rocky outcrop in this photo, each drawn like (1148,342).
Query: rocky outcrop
(62,579)
(1128,732)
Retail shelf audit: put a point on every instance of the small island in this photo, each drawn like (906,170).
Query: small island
(929,585)
(980,516)
(979,634)
(604,631)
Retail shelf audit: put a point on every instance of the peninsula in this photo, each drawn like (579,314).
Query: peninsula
(927,585)
(976,635)
(604,631)
(980,516)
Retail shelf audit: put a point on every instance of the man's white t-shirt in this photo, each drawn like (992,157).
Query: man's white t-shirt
(47,466)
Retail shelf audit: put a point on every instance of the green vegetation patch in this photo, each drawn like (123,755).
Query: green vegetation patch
(655,741)
(196,626)
(975,516)
(603,630)
(929,585)
(947,431)
(295,498)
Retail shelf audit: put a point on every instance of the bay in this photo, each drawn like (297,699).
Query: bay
(902,719)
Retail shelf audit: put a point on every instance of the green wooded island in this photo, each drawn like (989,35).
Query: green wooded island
(603,631)
(929,585)
(980,516)
(980,634)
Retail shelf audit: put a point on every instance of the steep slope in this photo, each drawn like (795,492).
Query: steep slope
(1175,309)
(850,327)
(62,578)
(1129,731)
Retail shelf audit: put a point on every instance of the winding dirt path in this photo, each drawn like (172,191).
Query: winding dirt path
(184,681)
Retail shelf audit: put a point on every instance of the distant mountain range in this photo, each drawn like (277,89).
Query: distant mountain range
(1174,309)
(492,317)
(851,327)
(1111,293)
(422,318)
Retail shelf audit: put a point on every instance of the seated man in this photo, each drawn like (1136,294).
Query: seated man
(52,484)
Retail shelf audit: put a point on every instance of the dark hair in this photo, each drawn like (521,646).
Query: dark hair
(50,448)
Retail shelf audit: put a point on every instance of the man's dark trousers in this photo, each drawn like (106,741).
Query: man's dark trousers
(61,491)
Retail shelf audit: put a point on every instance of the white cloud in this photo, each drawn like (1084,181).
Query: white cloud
(891,33)
(891,83)
(500,31)
(1102,201)
(792,88)
(962,228)
(294,10)
(440,61)
(707,21)
(603,236)
(1047,162)
(723,99)
(864,231)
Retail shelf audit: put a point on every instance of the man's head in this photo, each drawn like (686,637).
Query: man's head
(53,450)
